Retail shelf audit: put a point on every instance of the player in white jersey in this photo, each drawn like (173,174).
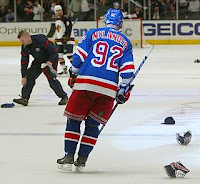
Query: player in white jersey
(64,38)
(102,55)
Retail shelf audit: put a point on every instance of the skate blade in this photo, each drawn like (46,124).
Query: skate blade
(63,75)
(65,167)
(79,169)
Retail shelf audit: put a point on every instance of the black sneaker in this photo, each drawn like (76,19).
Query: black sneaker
(22,101)
(66,162)
(63,101)
(80,163)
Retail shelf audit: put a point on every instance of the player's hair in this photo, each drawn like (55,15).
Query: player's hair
(22,33)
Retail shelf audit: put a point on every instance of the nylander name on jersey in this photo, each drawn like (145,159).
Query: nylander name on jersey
(110,36)
(102,55)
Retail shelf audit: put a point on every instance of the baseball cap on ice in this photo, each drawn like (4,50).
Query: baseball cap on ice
(169,121)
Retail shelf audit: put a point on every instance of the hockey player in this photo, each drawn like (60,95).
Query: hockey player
(101,55)
(64,40)
(116,5)
(45,60)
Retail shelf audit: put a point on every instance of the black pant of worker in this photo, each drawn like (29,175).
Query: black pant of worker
(34,72)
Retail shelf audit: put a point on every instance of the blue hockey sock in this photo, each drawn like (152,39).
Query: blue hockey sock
(72,135)
(89,138)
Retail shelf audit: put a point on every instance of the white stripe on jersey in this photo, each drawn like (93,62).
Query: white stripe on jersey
(127,71)
(97,79)
(94,88)
(81,52)
(126,63)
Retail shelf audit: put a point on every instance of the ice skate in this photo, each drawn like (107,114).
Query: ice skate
(64,72)
(63,101)
(21,101)
(80,163)
(66,162)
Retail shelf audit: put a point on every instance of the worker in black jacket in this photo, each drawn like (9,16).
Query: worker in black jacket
(45,60)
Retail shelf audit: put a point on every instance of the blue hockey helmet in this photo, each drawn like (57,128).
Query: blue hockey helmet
(116,5)
(114,16)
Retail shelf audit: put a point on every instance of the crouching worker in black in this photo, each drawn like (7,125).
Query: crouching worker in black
(45,60)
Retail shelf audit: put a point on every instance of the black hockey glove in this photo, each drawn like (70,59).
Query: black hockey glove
(176,170)
(184,138)
(72,78)
(121,96)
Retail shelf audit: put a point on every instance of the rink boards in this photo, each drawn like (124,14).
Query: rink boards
(154,32)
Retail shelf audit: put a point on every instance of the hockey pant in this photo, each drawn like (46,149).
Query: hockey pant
(65,49)
(34,72)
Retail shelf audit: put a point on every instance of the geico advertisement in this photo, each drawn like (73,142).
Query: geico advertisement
(152,29)
(171,29)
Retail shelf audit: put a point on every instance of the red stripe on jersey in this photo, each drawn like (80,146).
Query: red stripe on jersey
(55,49)
(81,53)
(24,63)
(71,135)
(97,83)
(46,44)
(88,140)
(127,67)
(24,54)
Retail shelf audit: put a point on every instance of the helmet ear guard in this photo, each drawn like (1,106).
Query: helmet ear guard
(185,138)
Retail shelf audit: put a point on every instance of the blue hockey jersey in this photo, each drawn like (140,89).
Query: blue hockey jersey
(102,55)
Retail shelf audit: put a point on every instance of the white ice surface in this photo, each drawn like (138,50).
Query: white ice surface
(133,147)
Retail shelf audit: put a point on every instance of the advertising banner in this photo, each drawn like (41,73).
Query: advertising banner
(154,32)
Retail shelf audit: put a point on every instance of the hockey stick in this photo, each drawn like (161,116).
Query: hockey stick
(129,87)
(51,31)
(75,21)
(138,4)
